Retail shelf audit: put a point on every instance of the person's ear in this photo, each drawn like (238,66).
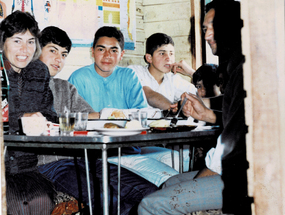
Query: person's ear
(92,52)
(148,58)
(122,54)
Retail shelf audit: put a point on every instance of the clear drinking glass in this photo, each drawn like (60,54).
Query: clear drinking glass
(140,116)
(143,115)
(66,123)
(81,120)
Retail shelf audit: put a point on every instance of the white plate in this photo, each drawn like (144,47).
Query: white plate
(93,124)
(120,131)
(189,121)
(151,112)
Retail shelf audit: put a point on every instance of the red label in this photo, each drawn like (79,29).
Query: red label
(5,113)
(80,133)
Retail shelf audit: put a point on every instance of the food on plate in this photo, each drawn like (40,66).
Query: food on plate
(133,124)
(111,125)
(117,114)
(159,123)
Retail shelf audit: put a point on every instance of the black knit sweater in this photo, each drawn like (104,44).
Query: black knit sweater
(36,96)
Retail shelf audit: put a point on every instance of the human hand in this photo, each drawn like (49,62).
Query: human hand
(183,68)
(195,108)
(174,107)
(34,114)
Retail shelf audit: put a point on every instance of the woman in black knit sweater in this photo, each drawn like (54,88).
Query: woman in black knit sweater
(28,192)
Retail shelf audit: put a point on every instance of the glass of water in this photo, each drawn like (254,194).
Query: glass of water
(66,123)
(143,116)
(140,116)
(81,120)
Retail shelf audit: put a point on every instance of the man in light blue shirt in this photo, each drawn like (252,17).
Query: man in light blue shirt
(104,84)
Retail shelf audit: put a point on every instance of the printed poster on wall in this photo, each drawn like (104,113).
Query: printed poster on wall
(80,18)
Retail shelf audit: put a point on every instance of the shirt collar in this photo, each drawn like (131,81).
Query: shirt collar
(166,76)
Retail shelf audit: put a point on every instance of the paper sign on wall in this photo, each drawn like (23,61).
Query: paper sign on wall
(81,18)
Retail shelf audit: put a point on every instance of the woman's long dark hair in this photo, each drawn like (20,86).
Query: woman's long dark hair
(20,22)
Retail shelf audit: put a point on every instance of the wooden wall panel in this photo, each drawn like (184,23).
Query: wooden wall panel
(175,28)
(263,46)
(167,12)
(172,18)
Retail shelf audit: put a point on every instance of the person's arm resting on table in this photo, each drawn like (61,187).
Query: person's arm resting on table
(157,100)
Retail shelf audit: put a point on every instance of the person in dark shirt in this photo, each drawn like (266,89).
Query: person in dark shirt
(222,27)
(187,192)
(28,192)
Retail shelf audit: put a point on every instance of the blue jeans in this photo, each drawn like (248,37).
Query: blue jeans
(181,194)
(63,174)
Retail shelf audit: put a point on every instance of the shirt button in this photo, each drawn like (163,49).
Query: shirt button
(11,158)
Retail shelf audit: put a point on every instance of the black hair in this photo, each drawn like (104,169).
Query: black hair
(52,34)
(107,31)
(227,25)
(155,41)
(208,74)
(20,22)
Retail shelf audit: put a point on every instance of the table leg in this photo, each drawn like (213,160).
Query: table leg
(119,179)
(105,180)
(172,157)
(88,181)
(180,159)
(192,160)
